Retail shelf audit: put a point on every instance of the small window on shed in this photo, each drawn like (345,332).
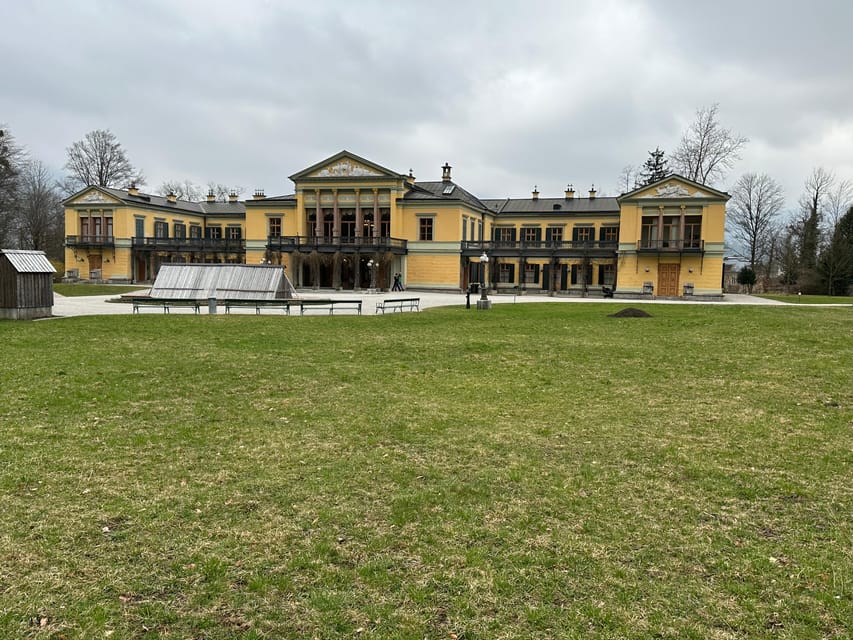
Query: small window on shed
(557,206)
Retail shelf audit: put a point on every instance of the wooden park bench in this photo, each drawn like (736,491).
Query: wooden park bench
(166,303)
(283,304)
(398,304)
(328,304)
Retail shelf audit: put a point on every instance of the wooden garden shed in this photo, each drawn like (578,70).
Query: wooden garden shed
(26,285)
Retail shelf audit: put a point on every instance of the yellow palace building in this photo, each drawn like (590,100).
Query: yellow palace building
(353,224)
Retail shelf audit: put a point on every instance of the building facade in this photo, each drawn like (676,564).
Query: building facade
(352,224)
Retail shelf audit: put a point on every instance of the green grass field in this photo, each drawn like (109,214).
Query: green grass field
(85,289)
(537,471)
(810,299)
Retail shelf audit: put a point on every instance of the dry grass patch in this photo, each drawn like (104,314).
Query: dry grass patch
(537,471)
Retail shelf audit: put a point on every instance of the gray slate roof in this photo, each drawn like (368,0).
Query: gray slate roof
(555,206)
(435,191)
(28,261)
(198,208)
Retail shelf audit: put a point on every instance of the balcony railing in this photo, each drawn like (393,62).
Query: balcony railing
(190,244)
(334,243)
(689,245)
(541,245)
(98,240)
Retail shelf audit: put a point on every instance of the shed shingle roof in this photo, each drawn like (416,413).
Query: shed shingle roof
(28,261)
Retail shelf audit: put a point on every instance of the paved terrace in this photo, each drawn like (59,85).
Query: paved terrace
(101,305)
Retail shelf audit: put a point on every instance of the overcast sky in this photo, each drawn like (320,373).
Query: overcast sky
(512,94)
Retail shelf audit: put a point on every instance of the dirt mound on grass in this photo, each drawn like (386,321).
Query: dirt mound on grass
(630,312)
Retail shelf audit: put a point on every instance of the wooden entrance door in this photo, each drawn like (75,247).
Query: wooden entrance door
(668,280)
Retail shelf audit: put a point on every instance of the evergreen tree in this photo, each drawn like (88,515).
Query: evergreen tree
(655,167)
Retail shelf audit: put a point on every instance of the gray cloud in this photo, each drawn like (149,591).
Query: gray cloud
(511,93)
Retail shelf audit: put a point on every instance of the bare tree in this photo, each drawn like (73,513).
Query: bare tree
(184,190)
(99,159)
(838,201)
(629,179)
(707,150)
(812,202)
(11,159)
(41,217)
(222,192)
(753,209)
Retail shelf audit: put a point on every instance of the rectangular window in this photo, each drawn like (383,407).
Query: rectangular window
(554,235)
(180,230)
(670,231)
(464,229)
(161,229)
(213,232)
(531,274)
(531,234)
(108,231)
(649,232)
(425,229)
(385,223)
(506,273)
(609,234)
(692,232)
(505,235)
(480,231)
(607,275)
(195,231)
(275,227)
(583,234)
(234,233)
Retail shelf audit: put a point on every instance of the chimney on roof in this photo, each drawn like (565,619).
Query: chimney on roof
(259,194)
(232,197)
(592,193)
(445,172)
(535,192)
(570,192)
(410,179)
(171,197)
(132,190)
(211,197)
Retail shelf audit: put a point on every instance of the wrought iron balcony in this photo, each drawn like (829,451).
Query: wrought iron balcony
(540,247)
(89,241)
(336,243)
(679,245)
(232,245)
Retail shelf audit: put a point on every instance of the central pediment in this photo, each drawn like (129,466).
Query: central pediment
(345,165)
(674,187)
(94,195)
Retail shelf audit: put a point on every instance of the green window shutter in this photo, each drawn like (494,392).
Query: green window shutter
(548,234)
(601,274)
(536,269)
(512,235)
(574,274)
(574,234)
(564,277)
(546,277)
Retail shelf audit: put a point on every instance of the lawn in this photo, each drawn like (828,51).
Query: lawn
(809,299)
(85,289)
(537,471)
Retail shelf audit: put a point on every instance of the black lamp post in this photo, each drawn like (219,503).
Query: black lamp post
(371,264)
(484,302)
